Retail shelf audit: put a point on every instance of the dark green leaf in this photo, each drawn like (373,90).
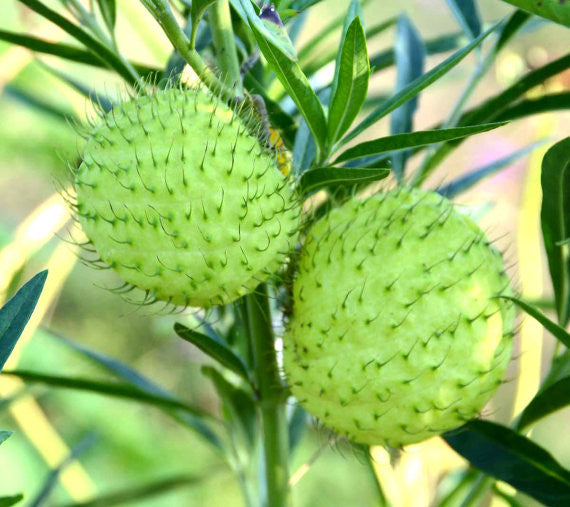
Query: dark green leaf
(410,58)
(108,10)
(14,315)
(215,349)
(143,492)
(352,84)
(303,149)
(5,435)
(558,332)
(417,86)
(111,59)
(555,221)
(512,458)
(322,177)
(198,9)
(529,107)
(555,10)
(300,5)
(60,49)
(547,401)
(560,369)
(464,183)
(7,501)
(53,477)
(113,389)
(297,426)
(144,384)
(297,85)
(274,35)
(466,13)
(411,140)
(238,405)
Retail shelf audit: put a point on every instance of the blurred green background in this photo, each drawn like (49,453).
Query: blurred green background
(137,445)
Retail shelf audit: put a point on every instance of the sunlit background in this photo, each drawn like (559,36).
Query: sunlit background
(135,445)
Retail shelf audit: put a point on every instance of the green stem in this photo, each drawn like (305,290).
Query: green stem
(223,38)
(272,399)
(162,12)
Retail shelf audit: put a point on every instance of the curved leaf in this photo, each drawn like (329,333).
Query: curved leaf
(555,221)
(555,10)
(108,10)
(512,458)
(353,73)
(14,315)
(417,86)
(411,140)
(547,401)
(8,501)
(544,104)
(215,349)
(114,389)
(558,332)
(322,177)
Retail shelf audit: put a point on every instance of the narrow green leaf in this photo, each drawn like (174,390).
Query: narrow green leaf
(410,59)
(467,15)
(417,85)
(199,8)
(555,10)
(472,178)
(14,315)
(274,35)
(558,332)
(117,390)
(137,380)
(239,407)
(297,85)
(52,479)
(111,59)
(529,107)
(8,501)
(297,426)
(512,458)
(547,401)
(108,10)
(300,5)
(411,140)
(38,104)
(5,435)
(60,49)
(215,349)
(353,73)
(304,150)
(147,490)
(322,177)
(555,221)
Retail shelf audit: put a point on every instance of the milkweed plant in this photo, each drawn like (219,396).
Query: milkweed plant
(243,187)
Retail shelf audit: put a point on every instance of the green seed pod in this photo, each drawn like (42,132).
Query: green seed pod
(180,197)
(396,333)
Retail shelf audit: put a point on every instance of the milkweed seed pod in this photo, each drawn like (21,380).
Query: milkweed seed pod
(397,333)
(182,199)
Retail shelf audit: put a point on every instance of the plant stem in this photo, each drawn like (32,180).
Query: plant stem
(162,12)
(223,37)
(272,399)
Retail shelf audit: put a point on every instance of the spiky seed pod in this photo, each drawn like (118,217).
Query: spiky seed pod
(396,334)
(180,197)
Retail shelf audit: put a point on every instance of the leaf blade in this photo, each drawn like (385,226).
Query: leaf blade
(216,350)
(14,315)
(547,401)
(353,74)
(554,10)
(555,221)
(467,15)
(417,85)
(512,458)
(321,177)
(411,140)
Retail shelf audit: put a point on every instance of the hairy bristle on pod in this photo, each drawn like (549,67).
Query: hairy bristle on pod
(181,197)
(397,331)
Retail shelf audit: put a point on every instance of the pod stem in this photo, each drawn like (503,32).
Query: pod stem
(272,399)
